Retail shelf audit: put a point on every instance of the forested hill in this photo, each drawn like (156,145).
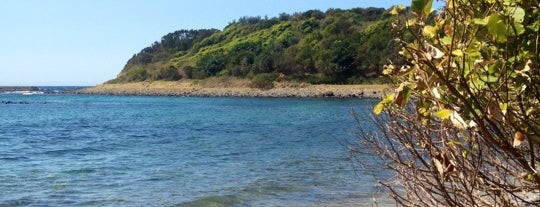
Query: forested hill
(336,46)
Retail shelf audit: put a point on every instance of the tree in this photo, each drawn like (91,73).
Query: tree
(463,126)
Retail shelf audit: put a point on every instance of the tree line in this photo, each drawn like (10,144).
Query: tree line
(337,46)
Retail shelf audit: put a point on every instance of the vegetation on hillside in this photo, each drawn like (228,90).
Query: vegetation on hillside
(463,126)
(336,46)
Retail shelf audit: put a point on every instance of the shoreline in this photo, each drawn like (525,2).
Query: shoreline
(235,88)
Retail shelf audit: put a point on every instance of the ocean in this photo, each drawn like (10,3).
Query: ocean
(86,150)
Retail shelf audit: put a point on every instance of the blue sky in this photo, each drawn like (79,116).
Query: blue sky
(87,42)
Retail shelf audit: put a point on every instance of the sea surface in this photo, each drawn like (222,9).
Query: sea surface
(84,150)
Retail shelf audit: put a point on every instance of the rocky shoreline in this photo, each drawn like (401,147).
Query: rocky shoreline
(18,88)
(192,89)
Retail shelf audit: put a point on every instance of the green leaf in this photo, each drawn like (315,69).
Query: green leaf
(422,7)
(418,5)
(446,40)
(427,7)
(520,29)
(482,22)
(519,14)
(443,114)
(497,27)
(489,78)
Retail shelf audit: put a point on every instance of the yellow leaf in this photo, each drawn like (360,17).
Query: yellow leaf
(503,107)
(429,31)
(443,114)
(458,53)
(387,69)
(378,108)
(389,98)
(394,10)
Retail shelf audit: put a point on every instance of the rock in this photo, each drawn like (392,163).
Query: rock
(328,94)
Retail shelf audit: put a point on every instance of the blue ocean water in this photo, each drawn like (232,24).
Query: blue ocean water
(82,150)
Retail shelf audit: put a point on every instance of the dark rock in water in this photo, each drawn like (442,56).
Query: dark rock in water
(15,102)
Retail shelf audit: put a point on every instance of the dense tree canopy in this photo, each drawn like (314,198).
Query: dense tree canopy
(336,46)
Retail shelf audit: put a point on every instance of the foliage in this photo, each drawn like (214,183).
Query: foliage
(336,46)
(463,126)
(264,80)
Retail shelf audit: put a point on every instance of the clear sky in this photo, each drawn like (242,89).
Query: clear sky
(87,42)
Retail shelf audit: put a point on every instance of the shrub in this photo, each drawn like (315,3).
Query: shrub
(463,126)
(264,81)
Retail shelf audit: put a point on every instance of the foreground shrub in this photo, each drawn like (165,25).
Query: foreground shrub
(463,126)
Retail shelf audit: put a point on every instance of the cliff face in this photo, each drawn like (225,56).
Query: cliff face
(336,46)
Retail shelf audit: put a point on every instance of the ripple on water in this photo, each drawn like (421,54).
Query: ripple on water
(166,151)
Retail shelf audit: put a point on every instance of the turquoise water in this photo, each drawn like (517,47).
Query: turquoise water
(77,150)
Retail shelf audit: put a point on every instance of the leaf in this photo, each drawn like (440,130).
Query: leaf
(519,14)
(389,98)
(394,11)
(457,121)
(489,78)
(430,31)
(482,22)
(422,7)
(518,138)
(457,53)
(436,93)
(403,95)
(411,22)
(497,27)
(378,108)
(446,40)
(418,5)
(427,7)
(433,52)
(444,165)
(443,114)
(387,69)
(503,107)
(495,112)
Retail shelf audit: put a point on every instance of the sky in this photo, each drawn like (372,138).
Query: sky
(87,42)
